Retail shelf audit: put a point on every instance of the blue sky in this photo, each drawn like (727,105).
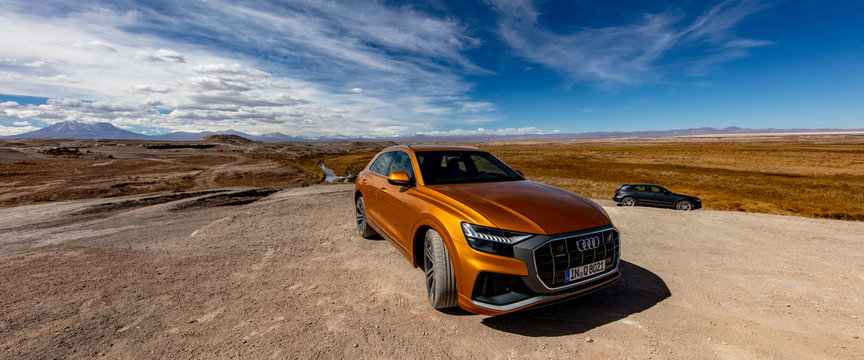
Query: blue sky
(380,68)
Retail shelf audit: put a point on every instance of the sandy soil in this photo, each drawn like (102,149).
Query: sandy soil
(287,277)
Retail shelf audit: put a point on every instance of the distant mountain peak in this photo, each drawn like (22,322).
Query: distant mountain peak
(73,129)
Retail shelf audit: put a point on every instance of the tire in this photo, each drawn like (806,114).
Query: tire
(363,226)
(684,205)
(628,201)
(440,281)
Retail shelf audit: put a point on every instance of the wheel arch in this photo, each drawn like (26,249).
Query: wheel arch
(419,237)
(417,244)
(424,224)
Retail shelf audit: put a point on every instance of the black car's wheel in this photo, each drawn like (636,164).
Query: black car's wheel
(684,205)
(440,281)
(628,201)
(363,227)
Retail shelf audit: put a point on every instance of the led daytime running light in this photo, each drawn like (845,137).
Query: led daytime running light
(490,234)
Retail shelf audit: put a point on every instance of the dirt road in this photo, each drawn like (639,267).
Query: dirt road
(287,277)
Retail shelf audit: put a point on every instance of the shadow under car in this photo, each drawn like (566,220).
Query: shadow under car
(639,289)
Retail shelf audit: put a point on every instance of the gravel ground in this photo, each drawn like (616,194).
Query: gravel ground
(287,277)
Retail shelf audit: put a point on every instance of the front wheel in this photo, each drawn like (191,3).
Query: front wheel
(363,227)
(684,205)
(440,281)
(628,201)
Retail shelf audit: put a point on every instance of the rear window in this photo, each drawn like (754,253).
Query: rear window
(382,163)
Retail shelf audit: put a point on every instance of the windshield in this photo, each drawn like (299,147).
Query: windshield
(454,167)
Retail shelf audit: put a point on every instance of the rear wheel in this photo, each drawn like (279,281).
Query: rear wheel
(440,281)
(628,201)
(362,223)
(684,205)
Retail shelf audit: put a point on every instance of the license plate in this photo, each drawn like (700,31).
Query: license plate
(579,272)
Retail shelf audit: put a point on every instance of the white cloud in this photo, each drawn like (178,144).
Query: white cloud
(627,54)
(15,130)
(35,64)
(481,131)
(139,68)
(163,55)
(57,78)
(21,123)
(476,107)
(228,70)
(96,45)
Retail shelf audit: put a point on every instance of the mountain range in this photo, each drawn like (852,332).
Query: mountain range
(79,130)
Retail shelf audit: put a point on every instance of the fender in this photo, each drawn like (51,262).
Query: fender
(430,221)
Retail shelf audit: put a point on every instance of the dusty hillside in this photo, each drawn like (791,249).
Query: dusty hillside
(287,277)
(39,170)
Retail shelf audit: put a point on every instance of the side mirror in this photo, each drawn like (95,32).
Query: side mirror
(519,172)
(399,178)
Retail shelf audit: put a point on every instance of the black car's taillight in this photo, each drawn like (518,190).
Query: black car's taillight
(617,192)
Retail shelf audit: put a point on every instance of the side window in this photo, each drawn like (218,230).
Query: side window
(402,162)
(656,189)
(641,188)
(382,163)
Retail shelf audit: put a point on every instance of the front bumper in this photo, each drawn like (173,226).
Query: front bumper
(547,258)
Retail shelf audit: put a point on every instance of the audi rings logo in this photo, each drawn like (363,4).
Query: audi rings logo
(590,243)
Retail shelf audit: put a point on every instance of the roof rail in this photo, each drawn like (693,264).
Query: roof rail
(393,146)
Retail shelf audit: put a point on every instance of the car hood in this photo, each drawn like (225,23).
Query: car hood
(527,206)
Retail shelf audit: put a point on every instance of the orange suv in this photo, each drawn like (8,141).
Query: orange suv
(488,240)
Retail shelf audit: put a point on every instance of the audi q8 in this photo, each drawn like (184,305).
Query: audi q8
(488,240)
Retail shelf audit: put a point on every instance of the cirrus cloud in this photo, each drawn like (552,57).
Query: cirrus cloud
(629,54)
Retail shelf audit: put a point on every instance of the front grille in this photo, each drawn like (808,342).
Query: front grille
(555,257)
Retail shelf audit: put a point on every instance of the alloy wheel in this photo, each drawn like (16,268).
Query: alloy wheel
(429,267)
(361,215)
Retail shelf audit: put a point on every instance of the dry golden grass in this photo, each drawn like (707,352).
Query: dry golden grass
(814,176)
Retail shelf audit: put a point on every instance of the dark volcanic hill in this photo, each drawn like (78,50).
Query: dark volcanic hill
(78,130)
(226,139)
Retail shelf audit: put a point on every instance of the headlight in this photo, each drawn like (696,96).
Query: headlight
(491,240)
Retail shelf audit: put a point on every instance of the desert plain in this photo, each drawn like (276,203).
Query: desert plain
(225,248)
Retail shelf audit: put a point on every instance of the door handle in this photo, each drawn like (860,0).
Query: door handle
(364,181)
(383,189)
